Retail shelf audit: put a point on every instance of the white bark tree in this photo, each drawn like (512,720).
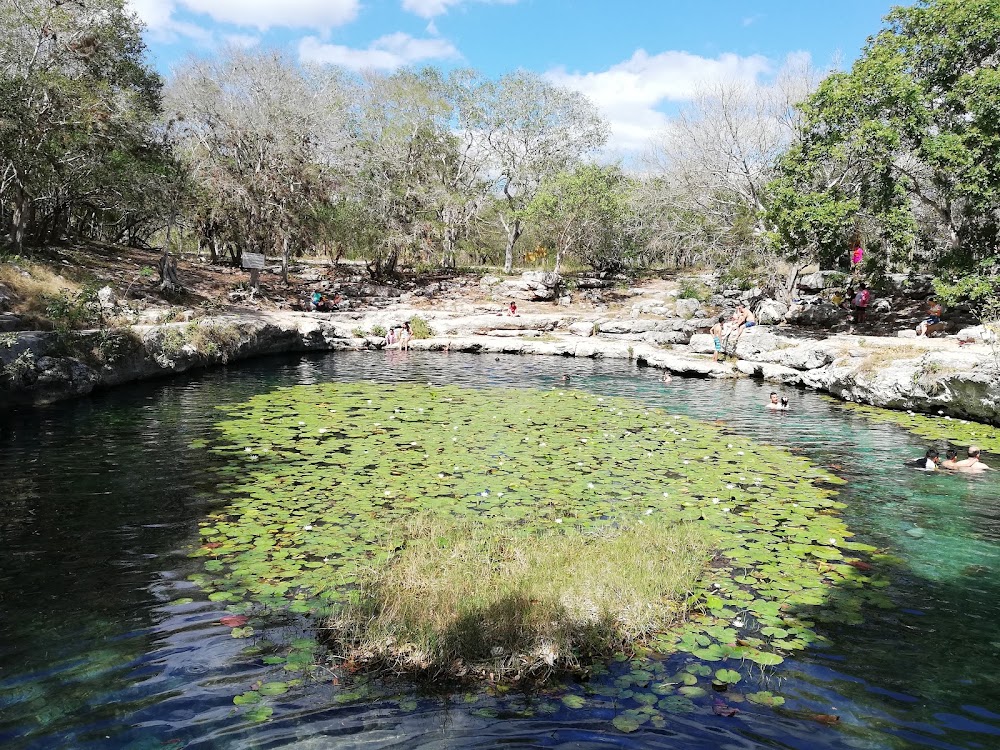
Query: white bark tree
(531,130)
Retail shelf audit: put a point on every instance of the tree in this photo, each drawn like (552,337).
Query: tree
(77,108)
(588,213)
(902,148)
(262,138)
(707,190)
(531,130)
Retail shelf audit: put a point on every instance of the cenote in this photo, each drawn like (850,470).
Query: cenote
(112,603)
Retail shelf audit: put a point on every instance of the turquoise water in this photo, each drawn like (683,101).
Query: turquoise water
(100,501)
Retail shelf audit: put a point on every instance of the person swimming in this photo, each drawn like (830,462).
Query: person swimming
(929,462)
(950,460)
(972,463)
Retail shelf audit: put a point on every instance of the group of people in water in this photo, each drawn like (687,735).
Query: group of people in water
(931,461)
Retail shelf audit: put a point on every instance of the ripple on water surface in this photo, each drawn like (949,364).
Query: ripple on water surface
(103,496)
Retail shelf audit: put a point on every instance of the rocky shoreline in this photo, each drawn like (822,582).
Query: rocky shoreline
(936,376)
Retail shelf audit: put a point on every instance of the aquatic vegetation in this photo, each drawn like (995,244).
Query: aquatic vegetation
(462,597)
(959,432)
(322,477)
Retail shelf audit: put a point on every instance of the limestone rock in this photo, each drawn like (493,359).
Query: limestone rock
(687,308)
(582,328)
(822,315)
(702,343)
(107,298)
(771,311)
(753,341)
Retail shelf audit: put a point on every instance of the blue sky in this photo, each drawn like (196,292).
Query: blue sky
(637,59)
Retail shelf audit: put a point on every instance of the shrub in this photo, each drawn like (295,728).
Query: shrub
(421,330)
(694,289)
(378,331)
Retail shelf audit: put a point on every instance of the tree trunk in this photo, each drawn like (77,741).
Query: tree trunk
(513,233)
(168,264)
(19,219)
(284,259)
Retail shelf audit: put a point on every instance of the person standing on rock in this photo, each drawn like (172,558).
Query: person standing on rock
(717,337)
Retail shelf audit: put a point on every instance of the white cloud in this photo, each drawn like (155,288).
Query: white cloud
(630,93)
(385,53)
(243,41)
(432,8)
(158,15)
(264,14)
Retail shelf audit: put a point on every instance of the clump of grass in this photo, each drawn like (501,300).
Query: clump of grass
(33,286)
(215,339)
(462,598)
(421,330)
(694,289)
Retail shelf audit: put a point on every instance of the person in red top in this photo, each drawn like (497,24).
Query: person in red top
(861,301)
(512,310)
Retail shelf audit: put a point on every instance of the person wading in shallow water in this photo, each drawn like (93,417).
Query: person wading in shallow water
(972,463)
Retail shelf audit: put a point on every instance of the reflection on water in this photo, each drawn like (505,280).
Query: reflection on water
(104,643)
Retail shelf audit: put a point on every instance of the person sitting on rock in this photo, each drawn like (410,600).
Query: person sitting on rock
(512,309)
(318,302)
(933,320)
(972,463)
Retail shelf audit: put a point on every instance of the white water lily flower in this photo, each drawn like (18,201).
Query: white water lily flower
(684,440)
(388,493)
(649,511)
(542,444)
(600,399)
(322,430)
(558,520)
(715,501)
(499,494)
(307,527)
(379,424)
(666,494)
(833,542)
(248,449)
(730,486)
(454,440)
(255,458)
(484,493)
(729,445)
(412,443)
(369,401)
(420,410)
(440,476)
(326,559)
(737,623)
(590,485)
(301,424)
(739,453)
(583,440)
(686,461)
(724,510)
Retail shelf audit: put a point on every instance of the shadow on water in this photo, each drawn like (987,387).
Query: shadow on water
(99,648)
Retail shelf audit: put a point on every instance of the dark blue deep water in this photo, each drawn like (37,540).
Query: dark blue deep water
(100,501)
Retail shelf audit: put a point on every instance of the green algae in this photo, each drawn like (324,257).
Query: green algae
(937,429)
(319,478)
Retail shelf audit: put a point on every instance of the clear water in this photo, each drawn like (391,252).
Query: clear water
(100,499)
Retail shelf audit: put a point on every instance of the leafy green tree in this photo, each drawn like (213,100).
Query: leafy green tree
(531,130)
(902,148)
(588,213)
(77,107)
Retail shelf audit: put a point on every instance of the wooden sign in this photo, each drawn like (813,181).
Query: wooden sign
(253,260)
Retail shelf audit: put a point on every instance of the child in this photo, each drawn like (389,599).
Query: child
(717,338)
(513,308)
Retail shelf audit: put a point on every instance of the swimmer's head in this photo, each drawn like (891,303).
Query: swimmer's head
(951,454)
(774,397)
(932,454)
(974,451)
